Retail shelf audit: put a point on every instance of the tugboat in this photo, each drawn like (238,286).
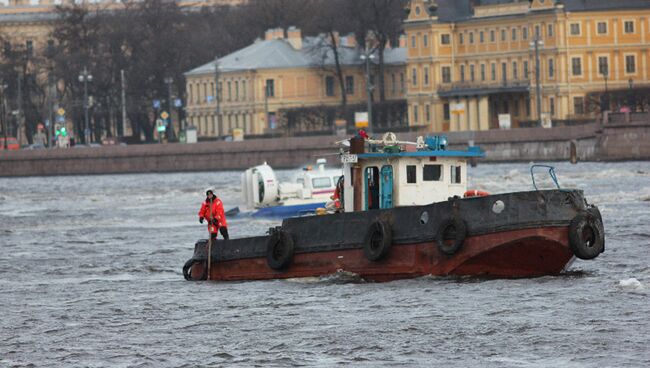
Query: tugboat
(407,212)
(308,190)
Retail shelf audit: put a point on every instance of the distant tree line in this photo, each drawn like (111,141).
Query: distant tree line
(155,40)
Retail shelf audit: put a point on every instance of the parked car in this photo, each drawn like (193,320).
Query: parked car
(12,143)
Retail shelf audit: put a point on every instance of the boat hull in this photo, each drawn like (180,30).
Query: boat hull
(528,235)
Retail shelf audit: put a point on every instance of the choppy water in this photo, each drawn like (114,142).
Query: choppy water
(90,276)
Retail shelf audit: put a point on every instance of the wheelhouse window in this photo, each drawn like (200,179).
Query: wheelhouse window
(320,183)
(455,174)
(432,173)
(411,174)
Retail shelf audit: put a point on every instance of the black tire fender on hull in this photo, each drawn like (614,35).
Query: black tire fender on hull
(587,234)
(377,241)
(187,269)
(451,229)
(279,250)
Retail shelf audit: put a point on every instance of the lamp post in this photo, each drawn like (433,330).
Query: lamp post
(3,87)
(536,43)
(367,56)
(631,103)
(604,103)
(170,127)
(86,77)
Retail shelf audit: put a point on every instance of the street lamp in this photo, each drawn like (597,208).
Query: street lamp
(367,56)
(170,127)
(3,87)
(536,43)
(604,101)
(86,77)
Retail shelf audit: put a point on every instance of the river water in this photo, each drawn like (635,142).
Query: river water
(90,276)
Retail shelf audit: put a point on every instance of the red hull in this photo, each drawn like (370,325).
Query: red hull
(510,254)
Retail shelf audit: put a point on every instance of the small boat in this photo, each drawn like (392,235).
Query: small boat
(308,190)
(407,212)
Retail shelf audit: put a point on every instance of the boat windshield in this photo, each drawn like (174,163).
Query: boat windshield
(319,183)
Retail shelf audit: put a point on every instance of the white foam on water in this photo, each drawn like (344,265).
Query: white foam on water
(631,283)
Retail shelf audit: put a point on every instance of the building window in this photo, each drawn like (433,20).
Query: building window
(538,32)
(29,47)
(471,73)
(413,43)
(329,86)
(427,113)
(414,77)
(549,30)
(576,66)
(482,72)
(445,39)
(481,37)
(455,174)
(446,74)
(426,75)
(416,115)
(528,107)
(603,65)
(445,111)
(393,81)
(425,40)
(602,27)
(578,105)
(629,26)
(630,64)
(551,68)
(270,88)
(471,37)
(575,29)
(493,71)
(515,72)
(229,90)
(524,33)
(504,72)
(461,38)
(243,90)
(402,83)
(411,174)
(432,173)
(514,34)
(492,36)
(236,90)
(551,105)
(462,73)
(503,35)
(349,84)
(7,48)
(526,71)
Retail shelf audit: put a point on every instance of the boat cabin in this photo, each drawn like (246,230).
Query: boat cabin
(393,174)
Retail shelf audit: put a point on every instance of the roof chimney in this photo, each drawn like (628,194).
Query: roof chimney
(274,34)
(294,36)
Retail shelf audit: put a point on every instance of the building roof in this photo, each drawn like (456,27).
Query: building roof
(279,54)
(459,10)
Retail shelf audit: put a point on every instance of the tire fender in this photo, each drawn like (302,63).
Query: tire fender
(586,236)
(452,229)
(279,250)
(378,240)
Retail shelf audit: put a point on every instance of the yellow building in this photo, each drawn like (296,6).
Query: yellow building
(295,71)
(472,62)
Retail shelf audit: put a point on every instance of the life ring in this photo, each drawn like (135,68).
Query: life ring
(279,250)
(379,238)
(586,236)
(452,229)
(475,193)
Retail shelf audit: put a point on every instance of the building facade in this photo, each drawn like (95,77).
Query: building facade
(277,73)
(471,62)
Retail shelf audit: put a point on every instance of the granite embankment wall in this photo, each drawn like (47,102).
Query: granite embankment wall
(621,140)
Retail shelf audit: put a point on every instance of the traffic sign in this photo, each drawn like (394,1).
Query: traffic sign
(164,115)
(60,111)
